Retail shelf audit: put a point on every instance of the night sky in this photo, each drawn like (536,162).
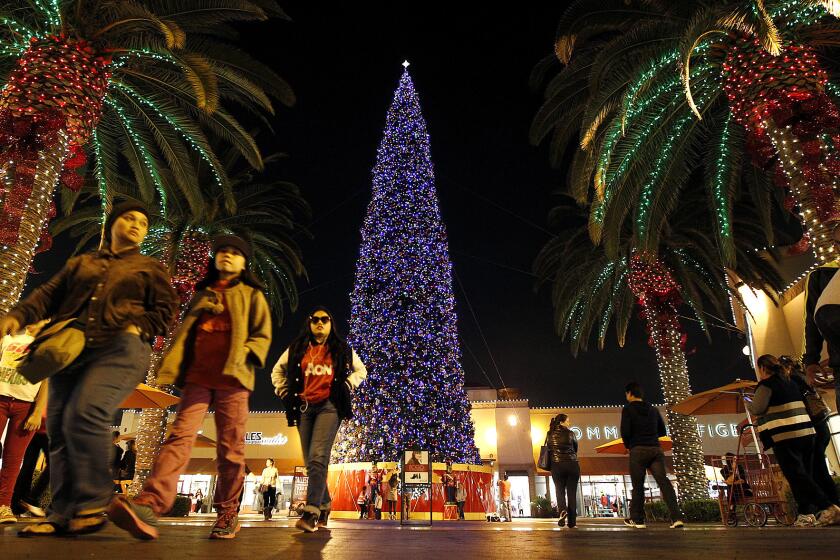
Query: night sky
(470,66)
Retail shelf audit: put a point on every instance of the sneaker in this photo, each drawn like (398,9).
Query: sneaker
(829,516)
(324,518)
(42,529)
(34,510)
(6,515)
(677,524)
(227,525)
(805,521)
(308,522)
(631,523)
(138,519)
(88,521)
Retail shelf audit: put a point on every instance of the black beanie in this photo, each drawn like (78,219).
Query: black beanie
(119,210)
(232,241)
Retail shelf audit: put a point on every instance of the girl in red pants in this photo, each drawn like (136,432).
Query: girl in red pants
(22,405)
(228,326)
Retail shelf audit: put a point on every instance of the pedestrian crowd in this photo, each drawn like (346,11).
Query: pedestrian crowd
(78,345)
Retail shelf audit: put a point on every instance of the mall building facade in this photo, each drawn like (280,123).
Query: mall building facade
(508,434)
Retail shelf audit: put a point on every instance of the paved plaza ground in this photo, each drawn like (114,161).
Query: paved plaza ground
(382,540)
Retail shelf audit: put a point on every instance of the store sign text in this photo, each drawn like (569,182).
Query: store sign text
(609,433)
(256,438)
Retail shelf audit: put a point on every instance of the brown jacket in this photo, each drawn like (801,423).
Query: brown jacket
(109,292)
(250,335)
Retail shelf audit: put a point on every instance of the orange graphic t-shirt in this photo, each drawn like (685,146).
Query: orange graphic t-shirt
(504,490)
(317,369)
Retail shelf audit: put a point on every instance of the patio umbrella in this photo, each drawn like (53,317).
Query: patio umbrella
(145,396)
(616,446)
(728,399)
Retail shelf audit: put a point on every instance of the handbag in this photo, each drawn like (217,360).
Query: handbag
(544,461)
(53,349)
(814,403)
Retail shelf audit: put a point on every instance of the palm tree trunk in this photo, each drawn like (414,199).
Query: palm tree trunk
(817,206)
(16,257)
(673,372)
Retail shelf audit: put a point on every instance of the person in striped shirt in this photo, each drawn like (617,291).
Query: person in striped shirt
(783,421)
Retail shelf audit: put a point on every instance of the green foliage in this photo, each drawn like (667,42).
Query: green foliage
(701,511)
(656,511)
(696,511)
(591,290)
(617,101)
(541,507)
(175,76)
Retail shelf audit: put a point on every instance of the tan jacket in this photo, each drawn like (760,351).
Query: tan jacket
(250,335)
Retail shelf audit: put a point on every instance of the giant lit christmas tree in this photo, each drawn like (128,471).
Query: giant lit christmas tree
(403,322)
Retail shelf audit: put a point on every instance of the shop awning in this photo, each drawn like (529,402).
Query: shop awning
(208,466)
(606,465)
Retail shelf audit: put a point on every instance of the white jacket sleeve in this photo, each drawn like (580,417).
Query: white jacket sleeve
(358,372)
(278,375)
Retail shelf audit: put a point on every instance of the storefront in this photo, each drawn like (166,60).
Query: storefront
(508,434)
(267,437)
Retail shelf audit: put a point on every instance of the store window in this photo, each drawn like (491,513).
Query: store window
(253,504)
(604,496)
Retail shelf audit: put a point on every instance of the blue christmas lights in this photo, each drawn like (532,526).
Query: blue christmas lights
(403,323)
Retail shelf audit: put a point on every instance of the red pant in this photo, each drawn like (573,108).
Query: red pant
(231,406)
(14,446)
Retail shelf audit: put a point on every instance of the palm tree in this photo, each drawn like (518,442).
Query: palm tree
(592,290)
(269,212)
(137,86)
(656,92)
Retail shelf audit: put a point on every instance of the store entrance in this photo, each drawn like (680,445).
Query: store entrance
(520,496)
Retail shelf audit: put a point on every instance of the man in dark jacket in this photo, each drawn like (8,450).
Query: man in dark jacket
(641,428)
(822,318)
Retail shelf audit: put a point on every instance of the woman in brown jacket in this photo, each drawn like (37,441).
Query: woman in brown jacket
(224,337)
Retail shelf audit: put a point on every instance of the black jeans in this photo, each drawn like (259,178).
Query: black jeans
(450,494)
(318,427)
(460,509)
(24,489)
(566,475)
(827,320)
(270,499)
(819,468)
(642,459)
(795,458)
(83,401)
